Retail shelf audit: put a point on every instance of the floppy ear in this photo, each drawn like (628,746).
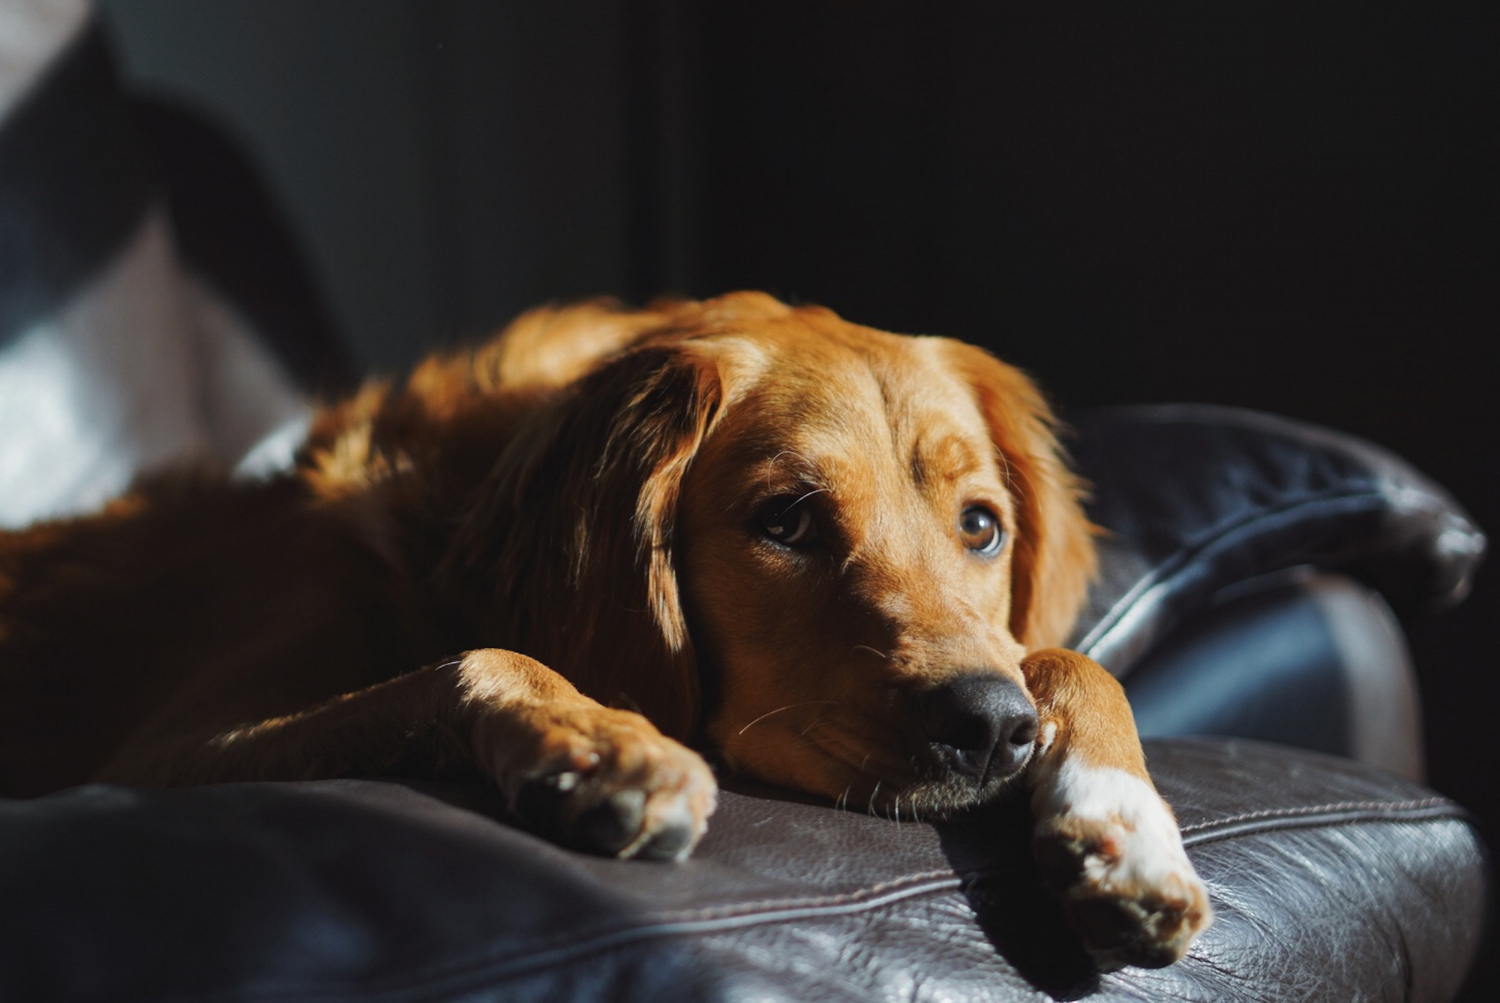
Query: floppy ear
(1054,559)
(573,534)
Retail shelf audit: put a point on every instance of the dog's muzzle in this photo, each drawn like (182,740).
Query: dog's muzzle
(979,726)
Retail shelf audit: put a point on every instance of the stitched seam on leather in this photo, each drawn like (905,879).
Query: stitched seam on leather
(875,891)
(1376,809)
(1185,558)
(1336,806)
(707,920)
(569,946)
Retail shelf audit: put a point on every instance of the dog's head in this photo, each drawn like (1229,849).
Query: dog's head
(847,539)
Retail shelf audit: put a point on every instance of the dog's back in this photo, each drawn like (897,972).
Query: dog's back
(197,602)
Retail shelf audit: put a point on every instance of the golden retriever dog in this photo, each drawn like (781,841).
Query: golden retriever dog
(833,558)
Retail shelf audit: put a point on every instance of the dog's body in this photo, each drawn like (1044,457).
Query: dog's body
(834,557)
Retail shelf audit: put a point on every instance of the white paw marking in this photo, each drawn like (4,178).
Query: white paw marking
(1113,840)
(1124,806)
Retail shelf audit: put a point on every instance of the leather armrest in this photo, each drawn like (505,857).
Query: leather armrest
(1309,659)
(1196,498)
(1331,881)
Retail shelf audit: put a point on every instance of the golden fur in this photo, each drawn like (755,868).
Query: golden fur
(541,558)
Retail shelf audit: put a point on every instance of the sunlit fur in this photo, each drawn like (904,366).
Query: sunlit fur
(816,654)
(581,489)
(534,558)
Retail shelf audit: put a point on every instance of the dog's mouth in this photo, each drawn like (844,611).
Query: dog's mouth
(905,755)
(925,786)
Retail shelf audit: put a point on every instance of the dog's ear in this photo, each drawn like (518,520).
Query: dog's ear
(1054,559)
(573,535)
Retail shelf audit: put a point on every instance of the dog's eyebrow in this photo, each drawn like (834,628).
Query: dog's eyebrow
(788,465)
(796,458)
(948,458)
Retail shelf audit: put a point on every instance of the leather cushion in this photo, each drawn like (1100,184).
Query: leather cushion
(1341,883)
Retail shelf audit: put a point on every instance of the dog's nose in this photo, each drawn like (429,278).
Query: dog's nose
(981,725)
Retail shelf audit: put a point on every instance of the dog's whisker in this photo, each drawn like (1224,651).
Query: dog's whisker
(771,467)
(788,452)
(815,491)
(874,651)
(818,741)
(816,720)
(870,810)
(778,710)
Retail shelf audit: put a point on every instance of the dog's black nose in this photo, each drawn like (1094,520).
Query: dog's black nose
(981,726)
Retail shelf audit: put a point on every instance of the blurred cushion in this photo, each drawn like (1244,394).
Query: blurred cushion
(114,359)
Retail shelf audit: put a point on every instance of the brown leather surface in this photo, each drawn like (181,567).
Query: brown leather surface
(1331,881)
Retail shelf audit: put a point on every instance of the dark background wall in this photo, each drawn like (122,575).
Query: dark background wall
(1289,207)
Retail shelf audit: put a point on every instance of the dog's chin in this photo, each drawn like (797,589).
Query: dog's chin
(938,799)
(857,782)
(921,799)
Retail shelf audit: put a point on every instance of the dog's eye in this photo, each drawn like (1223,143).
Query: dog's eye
(787,522)
(979,528)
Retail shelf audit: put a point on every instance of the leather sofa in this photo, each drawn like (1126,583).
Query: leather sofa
(1254,579)
(1332,878)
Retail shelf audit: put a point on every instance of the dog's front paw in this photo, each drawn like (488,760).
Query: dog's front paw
(601,780)
(1109,847)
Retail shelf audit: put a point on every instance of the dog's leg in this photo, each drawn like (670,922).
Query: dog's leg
(1104,838)
(595,778)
